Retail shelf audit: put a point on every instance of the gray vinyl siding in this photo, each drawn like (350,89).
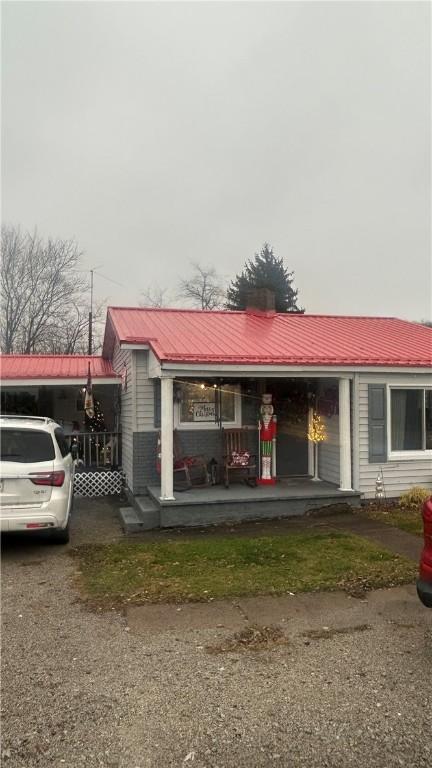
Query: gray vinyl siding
(401,474)
(328,451)
(120,358)
(144,435)
(328,460)
(144,461)
(144,392)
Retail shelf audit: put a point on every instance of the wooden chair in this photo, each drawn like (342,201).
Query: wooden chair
(235,445)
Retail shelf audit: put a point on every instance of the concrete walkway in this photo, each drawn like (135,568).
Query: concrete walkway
(397,541)
(336,612)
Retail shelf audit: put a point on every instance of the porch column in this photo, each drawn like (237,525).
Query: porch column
(344,435)
(311,468)
(167,425)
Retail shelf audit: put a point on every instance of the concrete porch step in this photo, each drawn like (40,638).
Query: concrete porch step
(143,516)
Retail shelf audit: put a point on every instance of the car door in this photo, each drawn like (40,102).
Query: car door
(67,463)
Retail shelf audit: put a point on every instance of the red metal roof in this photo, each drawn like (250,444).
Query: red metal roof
(54,367)
(193,336)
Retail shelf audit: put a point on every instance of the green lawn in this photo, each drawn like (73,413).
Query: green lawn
(409,520)
(212,568)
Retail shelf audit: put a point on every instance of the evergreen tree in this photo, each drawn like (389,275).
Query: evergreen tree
(95,423)
(265,270)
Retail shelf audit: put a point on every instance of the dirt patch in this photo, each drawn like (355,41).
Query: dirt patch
(324,633)
(401,625)
(359,586)
(27,563)
(329,510)
(253,638)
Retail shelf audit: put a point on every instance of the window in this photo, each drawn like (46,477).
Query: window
(201,404)
(62,442)
(411,419)
(26,446)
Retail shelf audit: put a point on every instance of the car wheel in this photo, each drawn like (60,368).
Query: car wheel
(60,535)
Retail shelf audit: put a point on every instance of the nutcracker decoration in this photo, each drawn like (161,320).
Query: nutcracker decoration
(267,442)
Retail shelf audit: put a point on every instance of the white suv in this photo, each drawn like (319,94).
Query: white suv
(36,476)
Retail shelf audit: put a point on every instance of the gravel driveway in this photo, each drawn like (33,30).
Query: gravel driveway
(85,689)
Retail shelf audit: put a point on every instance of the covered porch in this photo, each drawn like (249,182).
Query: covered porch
(296,398)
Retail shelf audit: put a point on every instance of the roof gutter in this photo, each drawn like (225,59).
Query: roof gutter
(60,382)
(262,371)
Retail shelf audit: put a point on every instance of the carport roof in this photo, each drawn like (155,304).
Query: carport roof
(55,367)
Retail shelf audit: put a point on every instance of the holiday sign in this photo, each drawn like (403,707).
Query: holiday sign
(204,411)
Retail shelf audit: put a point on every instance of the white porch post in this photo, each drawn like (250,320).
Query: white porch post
(167,426)
(311,452)
(344,435)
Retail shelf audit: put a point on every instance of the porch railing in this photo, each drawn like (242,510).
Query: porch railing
(100,450)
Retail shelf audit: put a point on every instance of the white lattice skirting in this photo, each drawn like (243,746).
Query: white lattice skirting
(110,483)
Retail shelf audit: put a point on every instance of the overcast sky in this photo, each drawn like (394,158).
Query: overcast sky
(160,133)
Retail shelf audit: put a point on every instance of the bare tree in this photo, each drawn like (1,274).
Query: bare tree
(205,289)
(154,296)
(70,334)
(43,294)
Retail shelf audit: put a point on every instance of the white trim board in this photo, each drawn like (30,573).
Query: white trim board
(256,373)
(275,371)
(125,345)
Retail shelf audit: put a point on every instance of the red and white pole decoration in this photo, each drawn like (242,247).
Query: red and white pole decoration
(267,429)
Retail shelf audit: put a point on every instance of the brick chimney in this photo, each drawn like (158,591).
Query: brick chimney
(261,301)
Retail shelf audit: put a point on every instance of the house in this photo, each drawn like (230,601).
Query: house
(195,373)
(369,378)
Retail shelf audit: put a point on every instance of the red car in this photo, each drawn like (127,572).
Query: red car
(424,583)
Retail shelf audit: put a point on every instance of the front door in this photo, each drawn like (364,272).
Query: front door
(291,408)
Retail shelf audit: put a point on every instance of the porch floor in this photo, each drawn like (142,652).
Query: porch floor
(286,488)
(216,504)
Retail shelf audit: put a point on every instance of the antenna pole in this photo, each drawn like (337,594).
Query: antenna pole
(90,329)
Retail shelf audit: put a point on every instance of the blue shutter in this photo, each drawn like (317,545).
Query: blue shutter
(377,408)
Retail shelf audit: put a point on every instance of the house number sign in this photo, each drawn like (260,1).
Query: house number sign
(204,411)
